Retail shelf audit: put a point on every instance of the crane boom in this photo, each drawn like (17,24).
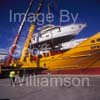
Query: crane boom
(8,61)
(31,30)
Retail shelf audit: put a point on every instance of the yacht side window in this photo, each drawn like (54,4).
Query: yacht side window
(34,36)
(40,35)
(79,26)
(59,30)
(72,27)
(47,35)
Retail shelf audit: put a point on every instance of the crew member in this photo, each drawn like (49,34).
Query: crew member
(12,76)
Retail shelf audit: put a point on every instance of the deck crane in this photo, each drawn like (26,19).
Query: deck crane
(31,31)
(10,55)
(29,37)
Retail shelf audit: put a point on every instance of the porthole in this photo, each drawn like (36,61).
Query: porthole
(92,41)
(98,40)
(94,47)
(98,46)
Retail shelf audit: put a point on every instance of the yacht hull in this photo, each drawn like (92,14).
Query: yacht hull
(56,41)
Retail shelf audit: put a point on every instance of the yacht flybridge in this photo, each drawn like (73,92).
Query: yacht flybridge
(52,34)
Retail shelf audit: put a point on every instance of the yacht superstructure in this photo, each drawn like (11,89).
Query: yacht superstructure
(53,35)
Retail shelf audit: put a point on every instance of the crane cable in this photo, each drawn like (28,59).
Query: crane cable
(56,7)
(56,12)
(31,31)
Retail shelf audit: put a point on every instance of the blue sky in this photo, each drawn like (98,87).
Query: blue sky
(88,10)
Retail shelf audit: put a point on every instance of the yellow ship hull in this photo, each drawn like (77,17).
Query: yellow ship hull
(74,64)
(84,58)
